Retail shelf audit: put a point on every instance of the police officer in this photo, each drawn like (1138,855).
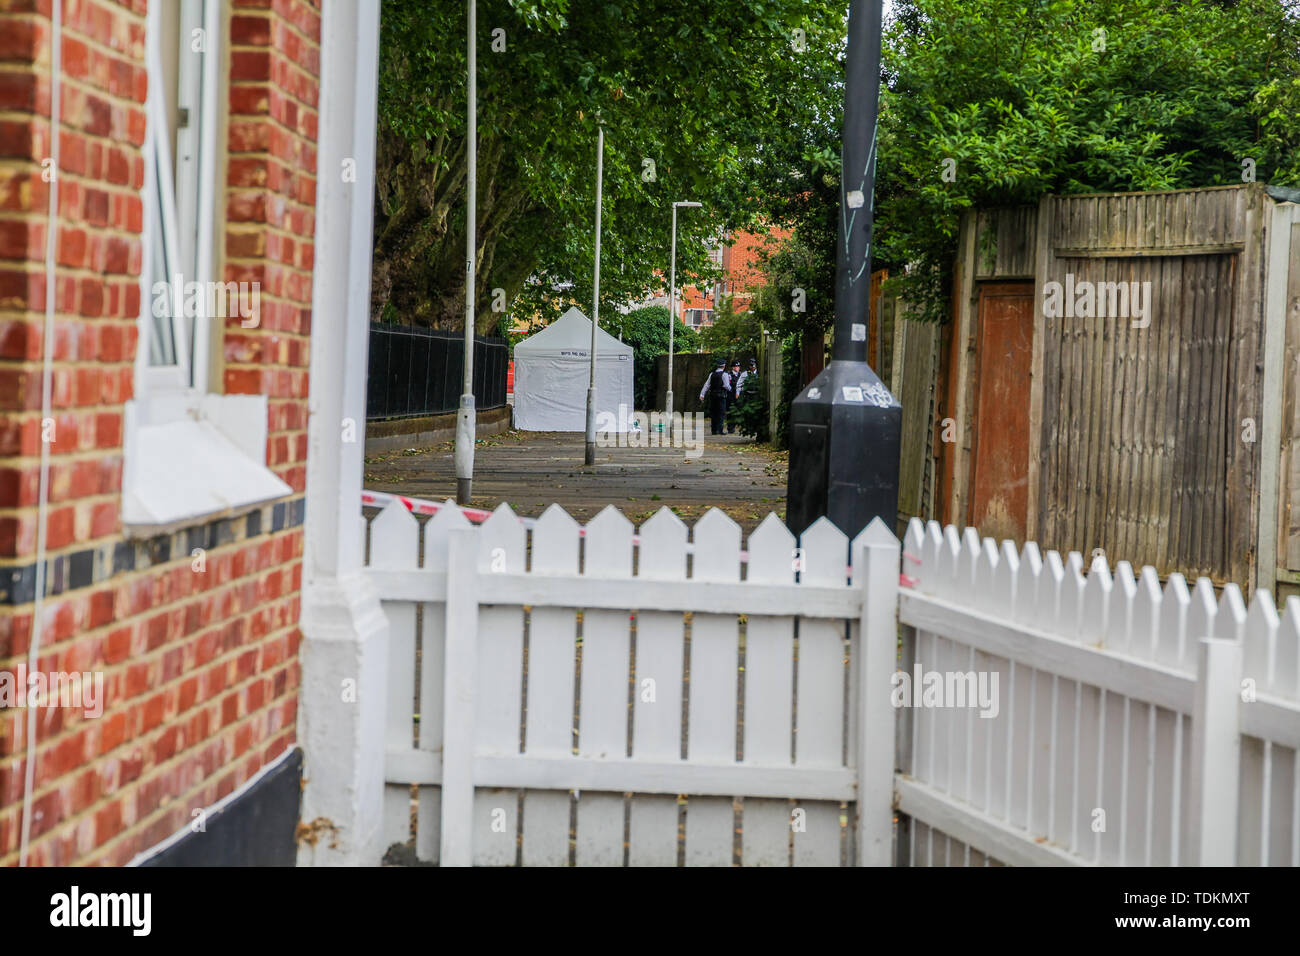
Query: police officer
(716,388)
(733,393)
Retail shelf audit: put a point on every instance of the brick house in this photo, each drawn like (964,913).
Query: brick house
(741,261)
(155,157)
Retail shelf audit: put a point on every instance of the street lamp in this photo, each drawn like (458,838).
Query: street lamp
(672,304)
(590,454)
(845,427)
(466,419)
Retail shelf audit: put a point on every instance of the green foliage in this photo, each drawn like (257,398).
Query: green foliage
(711,93)
(799,273)
(749,413)
(646,330)
(790,373)
(732,333)
(505,330)
(1025,100)
(799,293)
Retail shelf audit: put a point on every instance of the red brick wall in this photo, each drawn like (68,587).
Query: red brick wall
(741,261)
(200,666)
(270,210)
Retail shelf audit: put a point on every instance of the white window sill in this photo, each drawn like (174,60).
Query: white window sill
(191,458)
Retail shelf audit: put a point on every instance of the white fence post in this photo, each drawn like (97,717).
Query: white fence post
(461,672)
(875,569)
(1216,754)
(345,633)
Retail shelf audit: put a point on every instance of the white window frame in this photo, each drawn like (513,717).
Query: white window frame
(189,197)
(163,380)
(188,455)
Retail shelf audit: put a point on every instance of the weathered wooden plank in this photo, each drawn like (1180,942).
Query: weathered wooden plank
(1099,396)
(1242,487)
(1171,424)
(919,373)
(1044,382)
(1149,343)
(960,403)
(1110,439)
(1290,498)
(1224,426)
(1193,455)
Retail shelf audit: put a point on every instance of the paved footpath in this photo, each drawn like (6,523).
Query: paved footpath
(530,470)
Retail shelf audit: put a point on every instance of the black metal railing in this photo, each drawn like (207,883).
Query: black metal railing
(417,371)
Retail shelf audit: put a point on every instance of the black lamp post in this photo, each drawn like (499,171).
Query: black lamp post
(845,426)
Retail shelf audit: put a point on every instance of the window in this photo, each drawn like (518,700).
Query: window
(188,454)
(179,180)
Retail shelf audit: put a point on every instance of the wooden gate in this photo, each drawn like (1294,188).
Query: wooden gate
(592,696)
(1000,475)
(560,695)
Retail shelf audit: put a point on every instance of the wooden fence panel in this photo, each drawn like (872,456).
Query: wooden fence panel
(919,363)
(1133,469)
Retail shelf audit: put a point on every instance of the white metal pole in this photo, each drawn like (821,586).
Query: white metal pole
(466,419)
(595,304)
(672,318)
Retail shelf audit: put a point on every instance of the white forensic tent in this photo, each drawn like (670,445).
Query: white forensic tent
(551,375)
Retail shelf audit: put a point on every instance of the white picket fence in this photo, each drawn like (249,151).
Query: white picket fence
(565,695)
(1138,724)
(583,699)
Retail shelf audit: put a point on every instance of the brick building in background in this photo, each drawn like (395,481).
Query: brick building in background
(174,138)
(742,262)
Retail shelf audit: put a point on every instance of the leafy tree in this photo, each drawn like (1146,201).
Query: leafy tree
(749,413)
(646,330)
(699,102)
(799,295)
(732,333)
(1072,96)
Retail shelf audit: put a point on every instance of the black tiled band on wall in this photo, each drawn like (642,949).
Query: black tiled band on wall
(95,565)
